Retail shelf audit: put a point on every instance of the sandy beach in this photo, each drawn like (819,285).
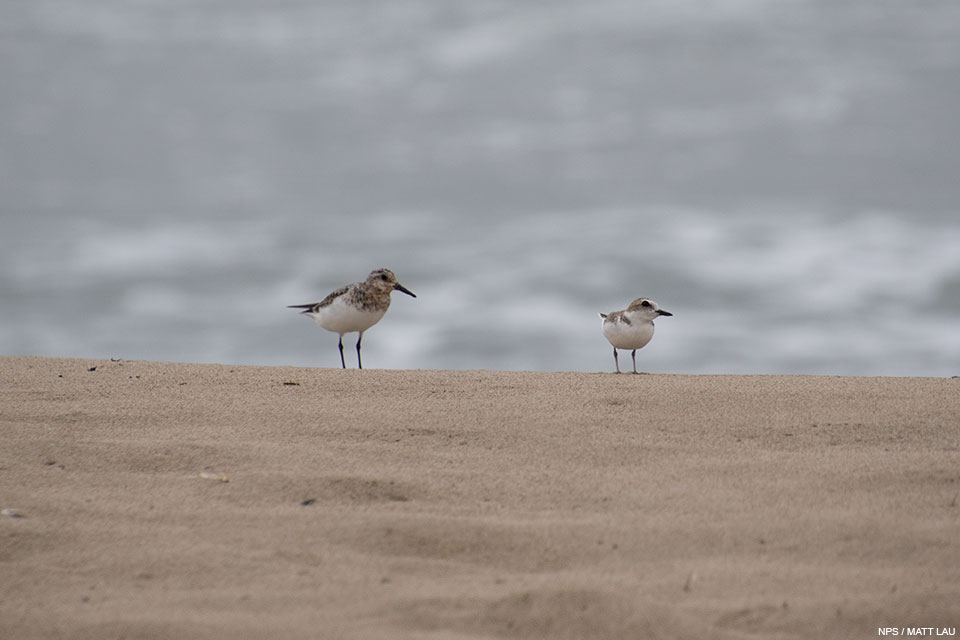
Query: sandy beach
(155,500)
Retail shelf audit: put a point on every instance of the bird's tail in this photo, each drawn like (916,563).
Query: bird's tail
(307,308)
(603,315)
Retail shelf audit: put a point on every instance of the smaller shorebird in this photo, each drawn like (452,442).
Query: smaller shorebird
(355,307)
(631,328)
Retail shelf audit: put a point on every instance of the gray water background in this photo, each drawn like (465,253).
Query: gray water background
(784,176)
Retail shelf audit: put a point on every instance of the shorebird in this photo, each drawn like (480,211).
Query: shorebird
(355,307)
(631,328)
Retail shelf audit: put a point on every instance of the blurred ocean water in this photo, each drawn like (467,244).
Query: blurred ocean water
(782,175)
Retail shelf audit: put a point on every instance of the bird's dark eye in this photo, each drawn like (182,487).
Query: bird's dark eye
(383,277)
(644,304)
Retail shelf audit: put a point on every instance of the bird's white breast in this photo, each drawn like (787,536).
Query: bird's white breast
(628,336)
(341,317)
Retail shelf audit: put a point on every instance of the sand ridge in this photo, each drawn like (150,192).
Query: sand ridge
(164,500)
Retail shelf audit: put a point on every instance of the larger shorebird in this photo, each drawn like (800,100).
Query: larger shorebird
(355,307)
(631,328)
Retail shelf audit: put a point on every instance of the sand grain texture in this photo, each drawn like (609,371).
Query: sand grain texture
(207,501)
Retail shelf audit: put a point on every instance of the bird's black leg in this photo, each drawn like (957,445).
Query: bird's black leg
(343,362)
(633,354)
(616,360)
(359,364)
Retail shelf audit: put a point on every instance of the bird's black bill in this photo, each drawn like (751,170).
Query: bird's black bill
(400,287)
(664,313)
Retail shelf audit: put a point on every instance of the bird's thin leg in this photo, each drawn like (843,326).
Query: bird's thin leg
(343,362)
(359,364)
(616,360)
(633,354)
